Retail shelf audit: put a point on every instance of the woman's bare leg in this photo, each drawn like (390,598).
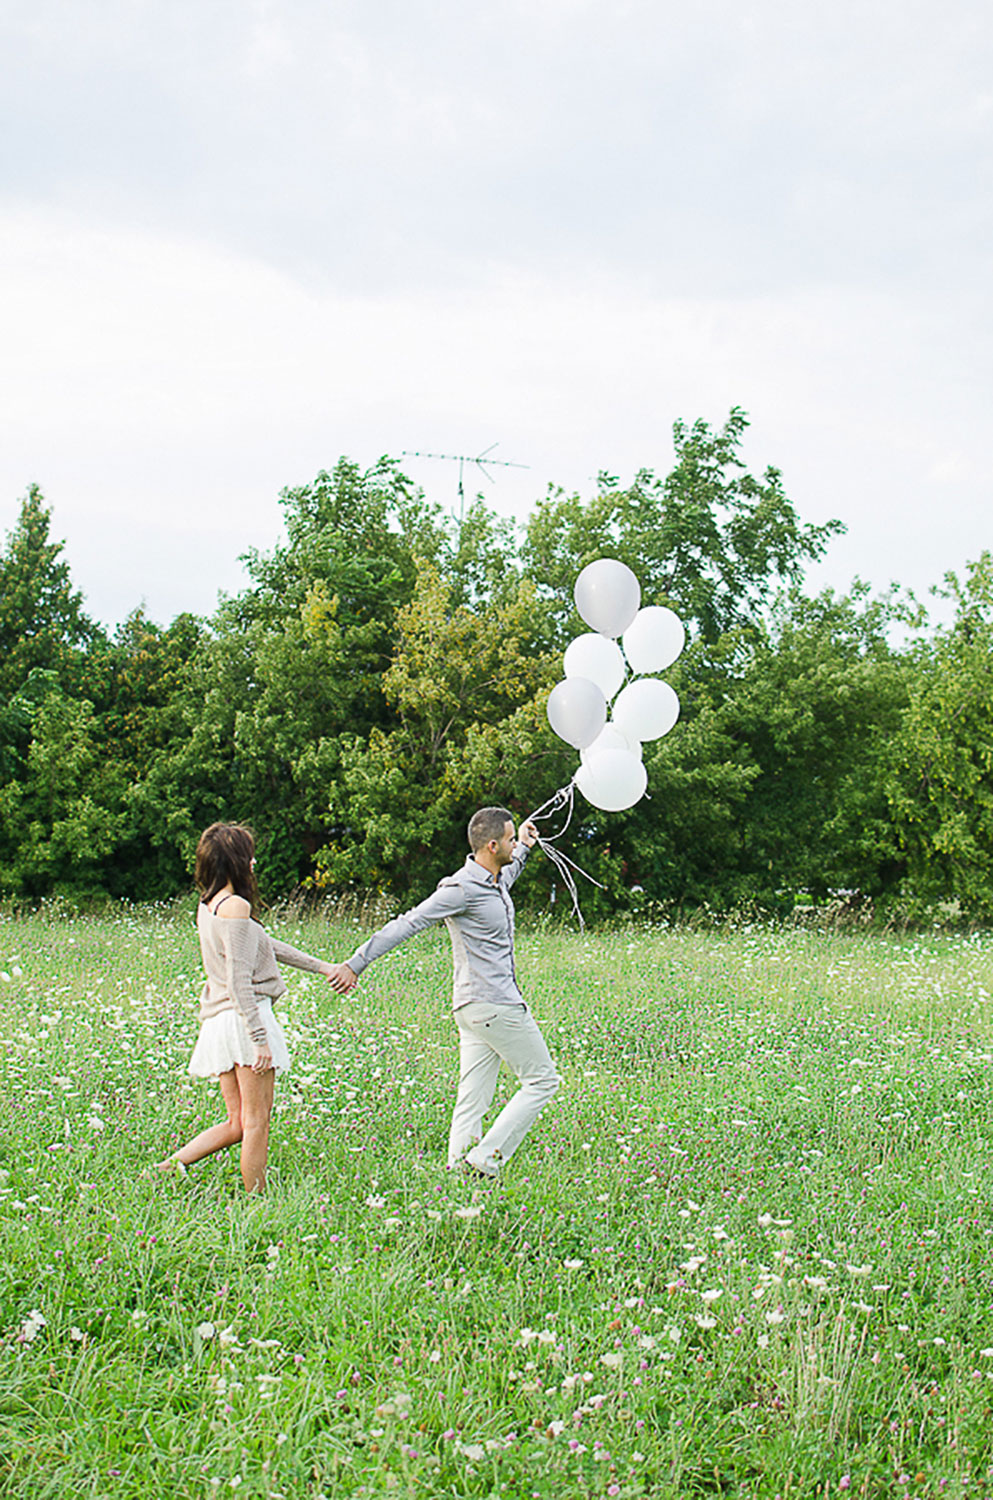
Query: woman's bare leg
(216,1137)
(256,1091)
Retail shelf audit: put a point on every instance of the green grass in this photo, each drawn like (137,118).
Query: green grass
(747,1251)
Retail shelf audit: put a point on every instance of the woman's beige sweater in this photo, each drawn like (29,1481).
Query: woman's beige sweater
(240,959)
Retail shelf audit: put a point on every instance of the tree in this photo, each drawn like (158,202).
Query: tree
(466,687)
(710,539)
(816,711)
(940,785)
(64,818)
(42,620)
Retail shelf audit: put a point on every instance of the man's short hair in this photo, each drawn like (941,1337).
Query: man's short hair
(488,823)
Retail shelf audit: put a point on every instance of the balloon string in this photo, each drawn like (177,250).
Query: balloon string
(565,797)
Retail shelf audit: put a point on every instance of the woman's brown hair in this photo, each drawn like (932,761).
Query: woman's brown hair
(224,857)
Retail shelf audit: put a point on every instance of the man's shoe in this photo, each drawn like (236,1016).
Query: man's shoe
(475,1174)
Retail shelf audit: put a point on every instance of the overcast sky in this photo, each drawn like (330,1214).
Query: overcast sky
(239,238)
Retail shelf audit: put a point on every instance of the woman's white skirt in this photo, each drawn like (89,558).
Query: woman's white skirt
(224,1041)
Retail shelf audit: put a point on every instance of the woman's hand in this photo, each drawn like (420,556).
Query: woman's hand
(342,979)
(263,1060)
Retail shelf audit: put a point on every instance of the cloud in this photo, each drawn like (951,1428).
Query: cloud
(163,389)
(239,239)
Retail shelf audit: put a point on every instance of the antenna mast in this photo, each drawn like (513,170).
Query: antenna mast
(481,461)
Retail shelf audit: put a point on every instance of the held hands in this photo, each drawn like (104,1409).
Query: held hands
(341,978)
(527,834)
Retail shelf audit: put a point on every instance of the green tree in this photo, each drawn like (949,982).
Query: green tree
(64,819)
(467,687)
(941,779)
(816,712)
(710,539)
(42,620)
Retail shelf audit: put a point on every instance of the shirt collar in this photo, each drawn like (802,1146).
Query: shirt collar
(480,874)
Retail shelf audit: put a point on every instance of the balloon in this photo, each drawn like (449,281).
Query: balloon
(612,780)
(611,738)
(654,639)
(646,709)
(577,711)
(607,596)
(598,659)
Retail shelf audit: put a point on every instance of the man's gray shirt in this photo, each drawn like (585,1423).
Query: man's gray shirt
(479,915)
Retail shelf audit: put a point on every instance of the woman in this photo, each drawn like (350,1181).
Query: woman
(241,1043)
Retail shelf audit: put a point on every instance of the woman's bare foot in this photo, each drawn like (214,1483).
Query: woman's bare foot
(171,1167)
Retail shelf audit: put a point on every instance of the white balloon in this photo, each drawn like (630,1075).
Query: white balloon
(611,738)
(646,709)
(595,657)
(607,596)
(612,780)
(654,639)
(577,711)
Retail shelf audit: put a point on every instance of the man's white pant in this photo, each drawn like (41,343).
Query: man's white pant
(489,1034)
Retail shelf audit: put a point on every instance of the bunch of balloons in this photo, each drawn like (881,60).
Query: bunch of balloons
(592,709)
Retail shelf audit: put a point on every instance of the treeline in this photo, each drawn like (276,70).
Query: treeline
(385,671)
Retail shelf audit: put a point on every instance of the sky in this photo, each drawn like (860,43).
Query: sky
(240,238)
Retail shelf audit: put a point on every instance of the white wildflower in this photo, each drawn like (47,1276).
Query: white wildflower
(32,1325)
(397,1406)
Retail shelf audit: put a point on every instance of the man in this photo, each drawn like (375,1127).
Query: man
(492,1017)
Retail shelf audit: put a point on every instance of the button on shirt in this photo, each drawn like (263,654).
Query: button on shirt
(479,914)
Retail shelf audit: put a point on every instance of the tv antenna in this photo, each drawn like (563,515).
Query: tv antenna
(481,461)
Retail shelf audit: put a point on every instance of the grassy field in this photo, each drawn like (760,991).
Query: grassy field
(747,1251)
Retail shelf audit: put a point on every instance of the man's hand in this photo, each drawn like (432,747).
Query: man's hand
(527,834)
(342,979)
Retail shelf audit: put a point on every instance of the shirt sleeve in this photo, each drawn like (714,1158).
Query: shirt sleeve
(284,954)
(240,943)
(447,901)
(510,872)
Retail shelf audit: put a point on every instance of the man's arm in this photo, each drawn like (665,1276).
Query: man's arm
(527,836)
(447,901)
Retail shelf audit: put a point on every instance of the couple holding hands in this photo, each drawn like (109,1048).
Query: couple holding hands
(242,1044)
